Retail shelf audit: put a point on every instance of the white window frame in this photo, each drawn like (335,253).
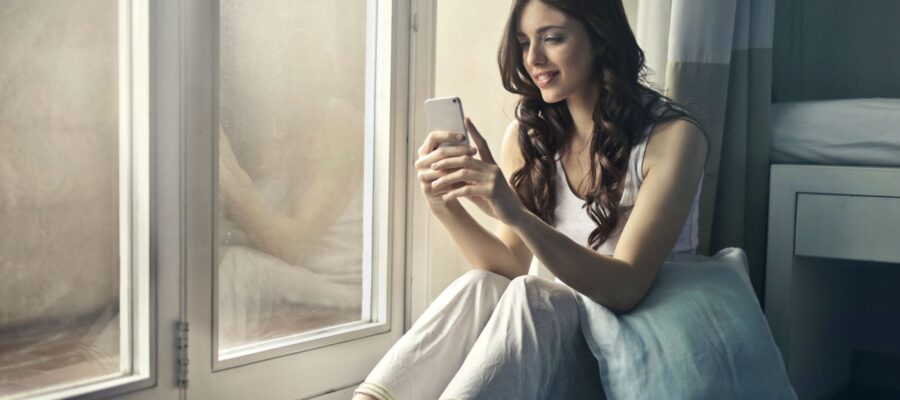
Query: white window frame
(421,87)
(350,357)
(166,230)
(377,123)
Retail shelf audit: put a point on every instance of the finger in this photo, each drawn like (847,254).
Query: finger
(463,161)
(456,176)
(434,192)
(468,190)
(426,176)
(463,175)
(436,138)
(483,151)
(440,154)
(453,138)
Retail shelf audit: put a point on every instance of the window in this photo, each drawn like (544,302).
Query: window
(131,271)
(292,231)
(292,102)
(74,305)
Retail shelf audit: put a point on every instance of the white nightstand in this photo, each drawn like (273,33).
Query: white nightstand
(817,215)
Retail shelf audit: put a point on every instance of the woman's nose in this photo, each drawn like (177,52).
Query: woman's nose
(534,56)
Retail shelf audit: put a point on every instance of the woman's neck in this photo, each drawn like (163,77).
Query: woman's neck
(581,108)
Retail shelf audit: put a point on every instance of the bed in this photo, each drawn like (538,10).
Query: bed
(834,213)
(860,132)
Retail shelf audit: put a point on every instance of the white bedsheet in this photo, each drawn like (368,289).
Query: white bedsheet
(837,132)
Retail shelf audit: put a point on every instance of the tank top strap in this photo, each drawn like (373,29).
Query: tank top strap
(635,177)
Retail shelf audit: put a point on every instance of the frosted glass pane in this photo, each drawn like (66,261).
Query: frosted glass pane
(59,193)
(291,151)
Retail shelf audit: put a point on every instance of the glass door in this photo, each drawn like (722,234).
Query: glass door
(74,198)
(294,204)
(202,199)
(294,234)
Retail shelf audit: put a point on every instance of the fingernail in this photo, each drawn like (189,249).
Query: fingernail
(459,136)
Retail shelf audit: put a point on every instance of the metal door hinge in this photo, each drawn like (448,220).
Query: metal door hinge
(182,354)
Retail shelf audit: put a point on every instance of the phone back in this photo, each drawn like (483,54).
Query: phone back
(445,114)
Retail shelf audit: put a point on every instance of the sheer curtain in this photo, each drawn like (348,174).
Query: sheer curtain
(715,57)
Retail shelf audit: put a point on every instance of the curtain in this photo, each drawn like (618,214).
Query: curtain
(715,58)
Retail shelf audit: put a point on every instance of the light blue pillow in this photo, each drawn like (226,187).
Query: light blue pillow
(698,334)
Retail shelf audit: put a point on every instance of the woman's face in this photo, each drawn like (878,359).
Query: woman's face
(556,51)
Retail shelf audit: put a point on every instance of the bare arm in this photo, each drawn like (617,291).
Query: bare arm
(502,253)
(621,281)
(510,161)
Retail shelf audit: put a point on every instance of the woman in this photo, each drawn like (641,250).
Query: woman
(589,136)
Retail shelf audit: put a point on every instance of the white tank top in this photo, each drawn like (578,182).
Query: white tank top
(573,220)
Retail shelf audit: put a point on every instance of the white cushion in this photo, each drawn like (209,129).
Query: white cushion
(698,334)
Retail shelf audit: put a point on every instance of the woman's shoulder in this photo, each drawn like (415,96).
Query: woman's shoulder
(510,153)
(674,136)
(511,135)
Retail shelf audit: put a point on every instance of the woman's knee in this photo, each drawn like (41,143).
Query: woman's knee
(526,283)
(538,293)
(477,283)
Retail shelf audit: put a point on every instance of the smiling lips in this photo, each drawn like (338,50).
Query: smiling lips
(543,79)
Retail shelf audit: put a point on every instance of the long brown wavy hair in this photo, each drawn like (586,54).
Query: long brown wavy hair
(620,114)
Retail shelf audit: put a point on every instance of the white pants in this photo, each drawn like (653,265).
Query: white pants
(486,337)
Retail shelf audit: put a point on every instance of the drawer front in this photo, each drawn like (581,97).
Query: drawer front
(849,227)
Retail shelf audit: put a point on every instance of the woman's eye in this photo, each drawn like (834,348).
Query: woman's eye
(553,40)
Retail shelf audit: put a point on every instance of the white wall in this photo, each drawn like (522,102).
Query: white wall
(465,65)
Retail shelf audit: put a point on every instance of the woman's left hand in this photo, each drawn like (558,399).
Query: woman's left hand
(485,184)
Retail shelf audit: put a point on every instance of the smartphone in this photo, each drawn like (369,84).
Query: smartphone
(446,114)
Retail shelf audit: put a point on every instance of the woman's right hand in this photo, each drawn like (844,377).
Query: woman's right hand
(429,153)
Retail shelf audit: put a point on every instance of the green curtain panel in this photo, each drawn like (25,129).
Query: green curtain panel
(715,57)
